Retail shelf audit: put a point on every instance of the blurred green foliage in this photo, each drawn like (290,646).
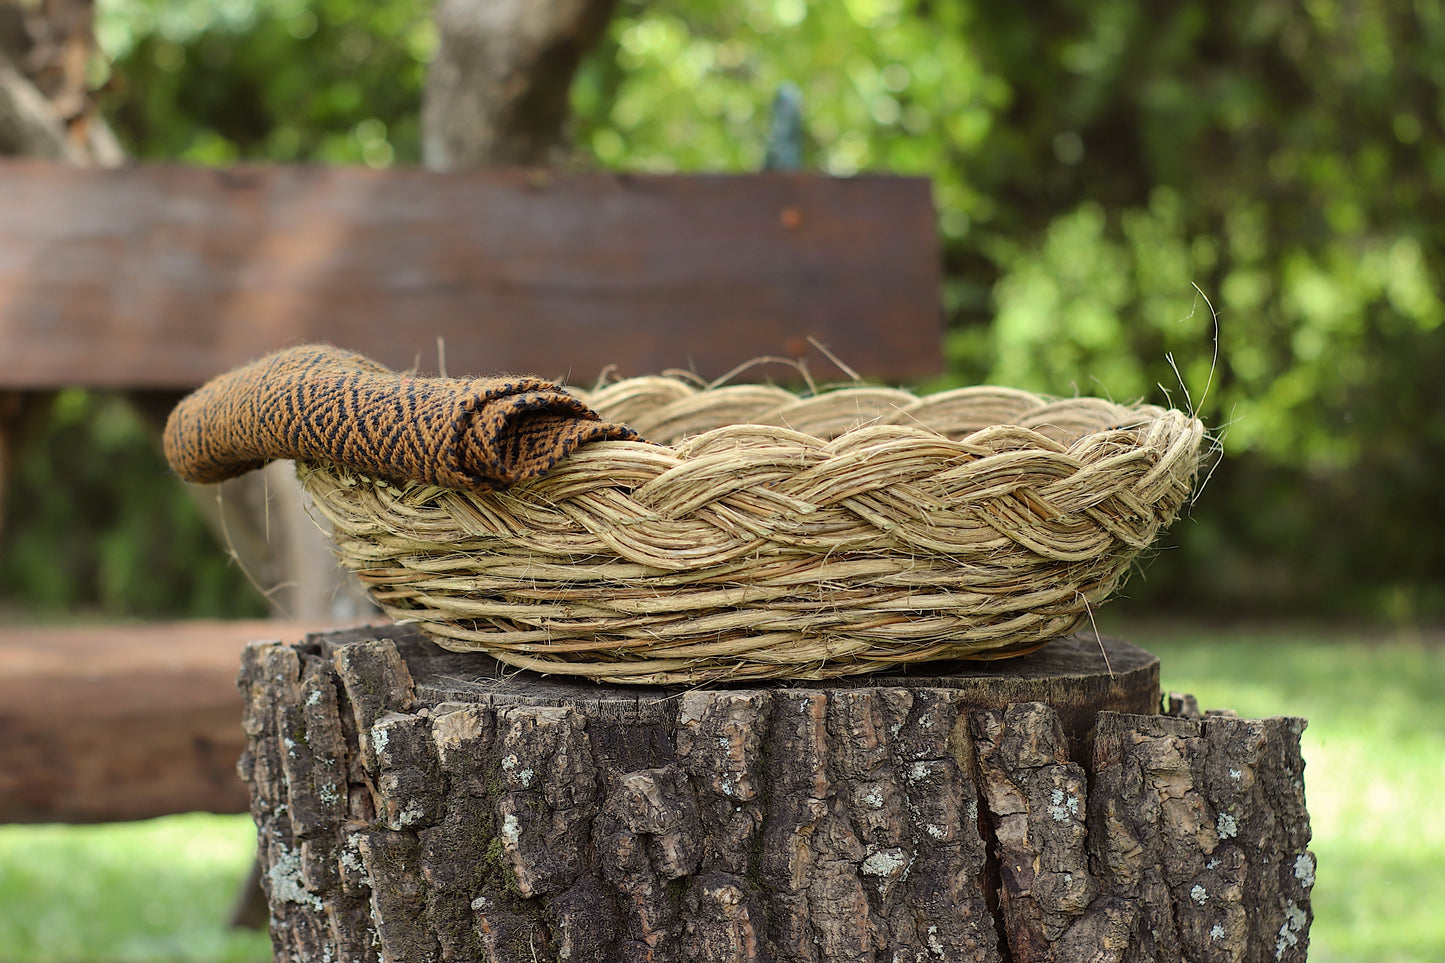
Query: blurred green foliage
(1093,163)
(331,81)
(95,523)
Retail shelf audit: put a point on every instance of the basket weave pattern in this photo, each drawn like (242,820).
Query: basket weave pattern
(764,535)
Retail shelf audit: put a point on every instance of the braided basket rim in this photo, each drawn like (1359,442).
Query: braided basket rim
(764,534)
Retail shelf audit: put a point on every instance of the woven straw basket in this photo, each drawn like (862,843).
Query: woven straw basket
(764,535)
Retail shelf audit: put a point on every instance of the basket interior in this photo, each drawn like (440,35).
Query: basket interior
(667,410)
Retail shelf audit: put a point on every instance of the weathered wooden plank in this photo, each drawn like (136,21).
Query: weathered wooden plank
(109,723)
(163,276)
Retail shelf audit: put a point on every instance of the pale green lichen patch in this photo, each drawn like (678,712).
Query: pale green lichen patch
(886,864)
(1294,921)
(1226,826)
(1304,869)
(411,815)
(351,859)
(883,863)
(524,777)
(511,830)
(935,945)
(285,876)
(1062,806)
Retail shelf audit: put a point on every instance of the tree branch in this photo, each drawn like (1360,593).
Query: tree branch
(29,124)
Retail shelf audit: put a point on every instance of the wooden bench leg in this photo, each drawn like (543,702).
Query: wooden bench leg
(250,911)
(21,412)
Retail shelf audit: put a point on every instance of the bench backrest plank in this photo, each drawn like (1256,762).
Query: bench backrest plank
(159,277)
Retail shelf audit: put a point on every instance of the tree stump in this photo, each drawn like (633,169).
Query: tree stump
(420,805)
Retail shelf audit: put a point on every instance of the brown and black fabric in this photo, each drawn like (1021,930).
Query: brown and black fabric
(317,403)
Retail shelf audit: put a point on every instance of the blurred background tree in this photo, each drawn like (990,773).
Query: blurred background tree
(1092,163)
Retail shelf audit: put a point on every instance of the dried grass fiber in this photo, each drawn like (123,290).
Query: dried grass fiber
(767,535)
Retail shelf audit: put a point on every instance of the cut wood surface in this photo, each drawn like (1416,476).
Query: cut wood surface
(419,805)
(110,723)
(162,277)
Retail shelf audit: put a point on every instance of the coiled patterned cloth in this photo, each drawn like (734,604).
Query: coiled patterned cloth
(318,403)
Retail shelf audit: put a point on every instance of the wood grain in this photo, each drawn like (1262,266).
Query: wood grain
(123,722)
(162,277)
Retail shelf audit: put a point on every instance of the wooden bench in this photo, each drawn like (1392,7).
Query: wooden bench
(123,722)
(149,280)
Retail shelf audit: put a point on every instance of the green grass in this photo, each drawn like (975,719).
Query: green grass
(157,891)
(1375,779)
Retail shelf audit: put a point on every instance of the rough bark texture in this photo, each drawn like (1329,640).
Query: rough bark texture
(1185,839)
(497,89)
(418,805)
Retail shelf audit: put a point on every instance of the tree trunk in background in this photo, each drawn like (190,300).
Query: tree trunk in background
(29,126)
(420,805)
(46,107)
(497,90)
(46,112)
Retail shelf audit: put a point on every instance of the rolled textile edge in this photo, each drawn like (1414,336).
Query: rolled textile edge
(322,403)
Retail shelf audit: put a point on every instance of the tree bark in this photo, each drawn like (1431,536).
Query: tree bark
(421,805)
(497,90)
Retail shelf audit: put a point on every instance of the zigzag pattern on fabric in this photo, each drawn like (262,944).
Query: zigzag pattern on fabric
(317,403)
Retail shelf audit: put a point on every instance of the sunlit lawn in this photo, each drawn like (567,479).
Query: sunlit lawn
(1375,748)
(151,891)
